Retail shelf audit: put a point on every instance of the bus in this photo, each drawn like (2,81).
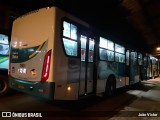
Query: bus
(4,60)
(135,66)
(151,67)
(57,56)
(154,67)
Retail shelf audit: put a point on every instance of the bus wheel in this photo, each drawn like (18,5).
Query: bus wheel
(111,86)
(4,86)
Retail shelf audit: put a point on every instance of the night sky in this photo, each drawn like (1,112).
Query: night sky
(104,15)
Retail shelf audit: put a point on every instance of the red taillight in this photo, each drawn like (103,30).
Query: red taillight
(46,66)
(9,66)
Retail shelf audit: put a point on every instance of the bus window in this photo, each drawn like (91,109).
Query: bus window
(110,45)
(110,55)
(119,55)
(91,50)
(122,58)
(119,48)
(83,47)
(103,54)
(127,57)
(70,39)
(106,50)
(139,59)
(103,43)
(119,58)
(70,47)
(4,46)
(4,49)
(66,31)
(134,58)
(73,32)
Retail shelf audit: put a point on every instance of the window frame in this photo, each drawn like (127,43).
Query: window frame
(75,40)
(120,53)
(106,49)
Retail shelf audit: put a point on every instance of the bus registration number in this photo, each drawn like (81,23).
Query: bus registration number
(22,69)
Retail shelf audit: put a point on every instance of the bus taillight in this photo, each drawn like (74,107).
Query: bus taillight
(9,67)
(46,66)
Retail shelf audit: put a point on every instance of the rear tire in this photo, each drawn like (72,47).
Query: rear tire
(4,85)
(110,86)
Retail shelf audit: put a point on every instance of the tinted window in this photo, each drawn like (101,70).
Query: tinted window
(70,39)
(91,50)
(70,47)
(4,45)
(83,47)
(110,55)
(110,45)
(106,50)
(119,48)
(103,43)
(73,32)
(103,54)
(66,31)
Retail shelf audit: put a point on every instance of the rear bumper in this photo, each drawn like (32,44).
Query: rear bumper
(39,89)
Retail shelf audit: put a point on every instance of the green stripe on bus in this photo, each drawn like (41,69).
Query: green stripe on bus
(34,53)
(3,59)
(21,55)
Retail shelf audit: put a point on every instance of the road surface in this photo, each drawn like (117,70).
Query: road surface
(141,103)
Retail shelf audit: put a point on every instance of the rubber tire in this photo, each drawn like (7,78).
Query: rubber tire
(4,85)
(111,87)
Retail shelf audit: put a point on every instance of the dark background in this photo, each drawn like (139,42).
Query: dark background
(115,18)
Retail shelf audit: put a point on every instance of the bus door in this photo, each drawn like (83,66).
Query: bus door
(140,65)
(87,65)
(146,67)
(134,76)
(145,64)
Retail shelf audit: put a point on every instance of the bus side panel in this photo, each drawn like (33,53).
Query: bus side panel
(66,69)
(105,69)
(103,73)
(121,79)
(73,75)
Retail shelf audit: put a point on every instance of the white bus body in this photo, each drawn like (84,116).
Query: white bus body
(53,55)
(39,32)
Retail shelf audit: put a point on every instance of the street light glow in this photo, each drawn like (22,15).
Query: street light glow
(158,48)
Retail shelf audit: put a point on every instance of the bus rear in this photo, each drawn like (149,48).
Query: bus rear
(31,53)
